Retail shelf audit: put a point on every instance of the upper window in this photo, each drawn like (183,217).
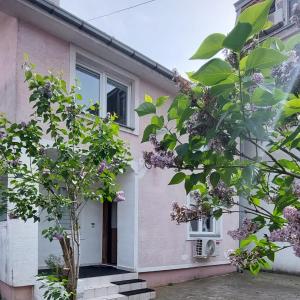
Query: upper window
(3,200)
(89,83)
(102,95)
(207,226)
(116,97)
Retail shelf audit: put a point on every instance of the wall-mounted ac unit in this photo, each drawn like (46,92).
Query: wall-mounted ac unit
(204,248)
(277,16)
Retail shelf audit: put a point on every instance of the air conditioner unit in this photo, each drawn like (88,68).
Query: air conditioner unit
(277,16)
(204,248)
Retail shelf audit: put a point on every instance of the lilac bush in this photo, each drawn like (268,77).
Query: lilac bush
(232,134)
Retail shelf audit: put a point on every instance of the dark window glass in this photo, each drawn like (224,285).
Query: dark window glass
(89,83)
(3,200)
(273,8)
(194,226)
(207,224)
(117,95)
(290,6)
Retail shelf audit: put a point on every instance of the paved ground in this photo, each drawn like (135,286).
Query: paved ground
(235,286)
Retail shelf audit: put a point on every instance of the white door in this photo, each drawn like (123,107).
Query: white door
(91,234)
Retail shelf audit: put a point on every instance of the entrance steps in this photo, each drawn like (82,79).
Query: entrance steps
(125,286)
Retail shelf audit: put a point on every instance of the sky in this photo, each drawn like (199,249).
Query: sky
(167,31)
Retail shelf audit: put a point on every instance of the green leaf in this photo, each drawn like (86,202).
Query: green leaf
(291,107)
(261,58)
(262,97)
(292,42)
(221,89)
(150,129)
(158,121)
(160,101)
(146,108)
(255,268)
(274,43)
(218,213)
(214,178)
(182,150)
(245,243)
(213,72)
(177,178)
(148,99)
(256,15)
(210,46)
(188,185)
(237,38)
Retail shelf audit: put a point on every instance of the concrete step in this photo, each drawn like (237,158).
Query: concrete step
(130,285)
(106,289)
(141,294)
(114,297)
(94,282)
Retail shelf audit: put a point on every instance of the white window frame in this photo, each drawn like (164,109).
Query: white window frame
(194,235)
(106,71)
(103,78)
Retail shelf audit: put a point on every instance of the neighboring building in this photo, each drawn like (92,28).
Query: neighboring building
(144,240)
(283,27)
(280,16)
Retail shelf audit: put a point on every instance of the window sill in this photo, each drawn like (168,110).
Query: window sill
(128,129)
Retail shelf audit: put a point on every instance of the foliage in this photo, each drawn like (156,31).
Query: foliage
(54,289)
(233,133)
(57,160)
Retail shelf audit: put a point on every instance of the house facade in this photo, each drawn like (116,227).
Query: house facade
(142,237)
(283,27)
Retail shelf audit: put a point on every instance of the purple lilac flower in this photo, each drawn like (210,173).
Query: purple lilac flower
(162,159)
(291,232)
(216,145)
(58,236)
(2,134)
(296,189)
(184,214)
(46,90)
(120,196)
(248,227)
(244,258)
(223,193)
(258,78)
(287,71)
(200,123)
(23,124)
(101,167)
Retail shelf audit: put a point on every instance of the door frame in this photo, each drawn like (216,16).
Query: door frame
(109,236)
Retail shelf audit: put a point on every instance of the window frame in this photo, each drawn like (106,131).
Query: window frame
(103,78)
(195,235)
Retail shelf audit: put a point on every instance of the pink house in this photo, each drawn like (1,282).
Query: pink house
(136,236)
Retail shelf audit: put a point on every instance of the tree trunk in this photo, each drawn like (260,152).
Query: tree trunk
(70,266)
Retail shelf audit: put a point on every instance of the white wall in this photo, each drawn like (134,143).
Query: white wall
(19,252)
(127,222)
